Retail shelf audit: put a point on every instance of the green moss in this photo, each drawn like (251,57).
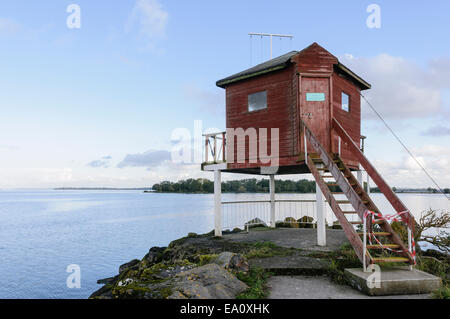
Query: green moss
(345,257)
(256,280)
(206,259)
(441,293)
(435,267)
(267,249)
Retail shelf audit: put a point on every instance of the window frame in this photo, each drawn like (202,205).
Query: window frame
(348,104)
(260,109)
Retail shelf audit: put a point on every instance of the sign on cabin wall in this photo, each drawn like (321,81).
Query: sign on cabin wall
(315,97)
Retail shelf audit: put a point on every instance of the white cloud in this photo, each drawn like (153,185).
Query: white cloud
(9,26)
(149,159)
(437,131)
(401,89)
(208,101)
(407,173)
(150,20)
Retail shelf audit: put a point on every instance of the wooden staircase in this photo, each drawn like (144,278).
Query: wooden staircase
(330,171)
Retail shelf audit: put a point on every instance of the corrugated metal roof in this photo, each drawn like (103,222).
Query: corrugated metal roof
(275,64)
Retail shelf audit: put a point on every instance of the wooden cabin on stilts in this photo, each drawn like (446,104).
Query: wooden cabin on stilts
(301,113)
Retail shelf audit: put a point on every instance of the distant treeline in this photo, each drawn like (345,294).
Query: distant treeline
(251,185)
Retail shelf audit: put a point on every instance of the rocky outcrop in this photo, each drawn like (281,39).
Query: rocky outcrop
(306,222)
(206,282)
(197,266)
(255,222)
(232,261)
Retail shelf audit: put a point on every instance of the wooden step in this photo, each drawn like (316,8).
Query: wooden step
(332,184)
(337,193)
(327,176)
(358,222)
(343,201)
(322,169)
(381,233)
(392,246)
(390,260)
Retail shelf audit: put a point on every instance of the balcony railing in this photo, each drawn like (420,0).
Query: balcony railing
(215,148)
(242,214)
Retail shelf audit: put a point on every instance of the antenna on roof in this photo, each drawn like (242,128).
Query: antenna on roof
(270,35)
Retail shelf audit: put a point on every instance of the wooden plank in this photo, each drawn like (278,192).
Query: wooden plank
(390,260)
(392,246)
(380,233)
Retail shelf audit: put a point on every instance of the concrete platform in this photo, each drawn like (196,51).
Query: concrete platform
(301,238)
(393,281)
(320,287)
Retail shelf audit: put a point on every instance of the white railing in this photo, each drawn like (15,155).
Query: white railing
(215,147)
(240,214)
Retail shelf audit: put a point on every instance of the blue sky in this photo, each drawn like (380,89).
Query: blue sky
(77,102)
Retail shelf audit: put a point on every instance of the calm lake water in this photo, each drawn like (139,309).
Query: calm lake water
(42,232)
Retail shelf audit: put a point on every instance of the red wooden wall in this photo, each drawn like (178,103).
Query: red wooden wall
(283,101)
(350,121)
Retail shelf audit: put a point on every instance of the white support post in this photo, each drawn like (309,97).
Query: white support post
(217,203)
(364,243)
(368,184)
(410,245)
(320,210)
(272,200)
(339,146)
(359,177)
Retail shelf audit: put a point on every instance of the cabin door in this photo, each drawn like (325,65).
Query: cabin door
(315,109)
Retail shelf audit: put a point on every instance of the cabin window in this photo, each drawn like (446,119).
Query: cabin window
(257,101)
(345,102)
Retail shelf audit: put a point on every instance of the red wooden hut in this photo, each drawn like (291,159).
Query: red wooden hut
(309,105)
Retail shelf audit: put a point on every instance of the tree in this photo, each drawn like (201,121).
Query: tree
(432,219)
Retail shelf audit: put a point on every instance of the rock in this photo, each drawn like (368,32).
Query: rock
(292,222)
(306,222)
(190,235)
(177,295)
(206,282)
(154,255)
(125,282)
(233,261)
(336,225)
(280,223)
(102,293)
(108,280)
(255,222)
(133,264)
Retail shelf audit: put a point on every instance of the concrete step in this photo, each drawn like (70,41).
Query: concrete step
(292,265)
(392,281)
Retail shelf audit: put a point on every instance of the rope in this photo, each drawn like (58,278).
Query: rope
(406,148)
